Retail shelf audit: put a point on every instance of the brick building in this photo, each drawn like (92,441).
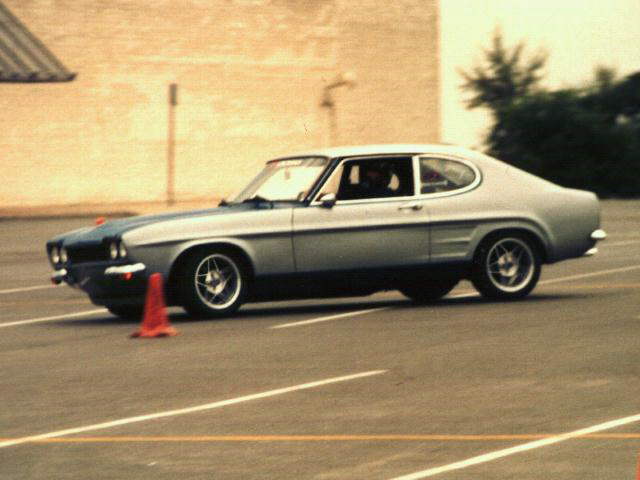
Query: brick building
(251,76)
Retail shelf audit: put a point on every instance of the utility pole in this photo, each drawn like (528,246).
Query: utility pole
(171,144)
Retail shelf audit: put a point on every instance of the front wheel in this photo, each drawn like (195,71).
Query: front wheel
(428,290)
(506,267)
(214,284)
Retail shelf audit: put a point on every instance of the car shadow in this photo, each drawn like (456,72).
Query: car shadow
(319,308)
(110,319)
(264,311)
(95,320)
(533,297)
(322,309)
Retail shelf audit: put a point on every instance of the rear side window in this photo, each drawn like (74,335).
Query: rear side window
(444,175)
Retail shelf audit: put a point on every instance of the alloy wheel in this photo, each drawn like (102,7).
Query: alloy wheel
(510,264)
(218,281)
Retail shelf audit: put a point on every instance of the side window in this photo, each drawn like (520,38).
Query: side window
(377,177)
(443,175)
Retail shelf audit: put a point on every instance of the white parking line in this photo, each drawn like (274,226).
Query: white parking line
(55,317)
(620,244)
(330,317)
(183,411)
(460,295)
(26,289)
(488,457)
(352,314)
(592,274)
(623,235)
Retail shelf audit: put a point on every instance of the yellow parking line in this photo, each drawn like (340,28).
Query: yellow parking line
(323,438)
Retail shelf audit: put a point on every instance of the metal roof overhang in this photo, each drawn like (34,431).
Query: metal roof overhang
(23,57)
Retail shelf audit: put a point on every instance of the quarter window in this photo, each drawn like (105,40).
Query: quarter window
(443,175)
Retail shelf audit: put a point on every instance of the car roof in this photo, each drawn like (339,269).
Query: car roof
(385,149)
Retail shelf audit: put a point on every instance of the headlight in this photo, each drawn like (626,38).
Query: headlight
(55,255)
(122,251)
(64,257)
(113,250)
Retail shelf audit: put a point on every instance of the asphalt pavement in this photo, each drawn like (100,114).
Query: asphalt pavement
(357,388)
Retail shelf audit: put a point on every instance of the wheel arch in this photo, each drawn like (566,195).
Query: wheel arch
(180,260)
(535,237)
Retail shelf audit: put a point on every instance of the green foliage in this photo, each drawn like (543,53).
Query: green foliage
(504,76)
(586,138)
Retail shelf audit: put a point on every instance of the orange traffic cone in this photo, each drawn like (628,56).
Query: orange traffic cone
(155,322)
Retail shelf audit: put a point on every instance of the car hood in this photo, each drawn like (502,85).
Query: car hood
(116,228)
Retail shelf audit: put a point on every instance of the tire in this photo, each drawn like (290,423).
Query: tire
(214,283)
(430,290)
(506,267)
(127,312)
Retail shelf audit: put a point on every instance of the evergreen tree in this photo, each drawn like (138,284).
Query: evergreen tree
(586,138)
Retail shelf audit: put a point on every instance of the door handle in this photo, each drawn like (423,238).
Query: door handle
(415,206)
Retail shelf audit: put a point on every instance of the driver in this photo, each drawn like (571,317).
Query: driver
(374,180)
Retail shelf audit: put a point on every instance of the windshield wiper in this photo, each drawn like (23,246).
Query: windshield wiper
(257,199)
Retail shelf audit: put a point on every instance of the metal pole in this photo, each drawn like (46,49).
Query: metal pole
(171,143)
(332,127)
(343,80)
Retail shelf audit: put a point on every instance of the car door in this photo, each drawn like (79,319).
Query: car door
(386,228)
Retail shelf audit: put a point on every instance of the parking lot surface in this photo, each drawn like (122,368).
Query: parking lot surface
(357,388)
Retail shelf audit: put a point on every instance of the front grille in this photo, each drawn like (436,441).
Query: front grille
(88,253)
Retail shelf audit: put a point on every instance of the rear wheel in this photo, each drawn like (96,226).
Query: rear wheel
(214,284)
(430,290)
(506,267)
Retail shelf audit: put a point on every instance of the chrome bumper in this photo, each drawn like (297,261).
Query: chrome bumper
(596,235)
(62,275)
(59,276)
(124,269)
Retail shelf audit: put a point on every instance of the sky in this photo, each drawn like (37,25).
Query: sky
(577,35)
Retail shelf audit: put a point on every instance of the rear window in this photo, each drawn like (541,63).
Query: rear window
(444,175)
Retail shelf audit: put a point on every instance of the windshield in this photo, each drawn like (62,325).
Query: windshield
(288,179)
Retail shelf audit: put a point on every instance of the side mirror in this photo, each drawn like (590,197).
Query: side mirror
(328,200)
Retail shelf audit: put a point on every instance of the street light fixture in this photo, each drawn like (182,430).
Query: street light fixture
(346,79)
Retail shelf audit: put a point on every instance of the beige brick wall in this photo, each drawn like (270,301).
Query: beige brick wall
(250,74)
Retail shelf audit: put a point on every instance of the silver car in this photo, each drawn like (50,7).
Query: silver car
(341,222)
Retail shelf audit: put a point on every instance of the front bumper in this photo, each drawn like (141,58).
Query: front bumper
(59,276)
(106,284)
(125,270)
